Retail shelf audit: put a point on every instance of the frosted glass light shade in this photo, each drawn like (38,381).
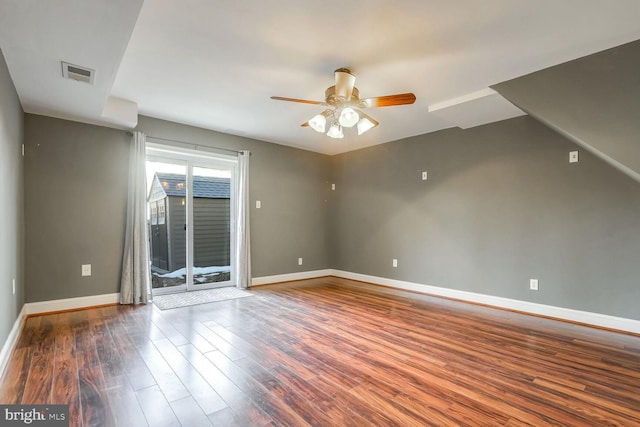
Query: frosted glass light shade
(318,123)
(335,131)
(348,117)
(365,124)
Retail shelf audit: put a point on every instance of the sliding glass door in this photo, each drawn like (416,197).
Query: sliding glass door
(191,206)
(167,218)
(211,231)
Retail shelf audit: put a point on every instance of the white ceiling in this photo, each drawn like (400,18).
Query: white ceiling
(215,63)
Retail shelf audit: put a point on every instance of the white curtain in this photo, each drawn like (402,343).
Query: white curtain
(134,284)
(242,233)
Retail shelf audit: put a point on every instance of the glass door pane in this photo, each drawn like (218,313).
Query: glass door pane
(191,207)
(211,213)
(167,218)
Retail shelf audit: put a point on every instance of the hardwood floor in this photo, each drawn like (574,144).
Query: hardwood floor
(325,352)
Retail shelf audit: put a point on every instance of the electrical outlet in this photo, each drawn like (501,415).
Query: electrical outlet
(424,175)
(299,261)
(395,262)
(533,284)
(573,157)
(333,186)
(258,204)
(86,269)
(14,286)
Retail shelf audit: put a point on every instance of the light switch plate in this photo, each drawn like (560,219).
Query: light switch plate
(573,157)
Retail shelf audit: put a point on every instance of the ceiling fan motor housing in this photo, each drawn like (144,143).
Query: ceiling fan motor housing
(335,101)
(345,81)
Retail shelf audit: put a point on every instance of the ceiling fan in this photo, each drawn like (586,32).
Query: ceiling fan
(344,106)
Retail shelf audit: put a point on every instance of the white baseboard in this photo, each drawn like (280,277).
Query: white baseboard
(71,303)
(264,280)
(11,340)
(595,319)
(46,307)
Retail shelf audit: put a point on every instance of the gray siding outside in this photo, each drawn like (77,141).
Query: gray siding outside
(210,233)
(12,211)
(158,235)
(176,220)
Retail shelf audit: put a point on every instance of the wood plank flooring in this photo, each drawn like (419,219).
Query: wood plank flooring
(324,352)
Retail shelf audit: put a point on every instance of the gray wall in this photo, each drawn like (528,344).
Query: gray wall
(594,100)
(75,203)
(11,197)
(501,205)
(293,187)
(75,206)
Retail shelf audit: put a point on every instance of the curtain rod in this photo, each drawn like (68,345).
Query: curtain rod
(194,146)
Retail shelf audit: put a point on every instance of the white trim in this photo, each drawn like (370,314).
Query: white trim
(70,303)
(10,343)
(264,280)
(461,99)
(595,319)
(166,147)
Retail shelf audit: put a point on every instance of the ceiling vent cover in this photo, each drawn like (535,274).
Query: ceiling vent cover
(76,72)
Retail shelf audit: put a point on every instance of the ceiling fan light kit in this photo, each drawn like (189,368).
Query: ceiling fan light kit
(319,122)
(345,106)
(335,131)
(348,117)
(365,124)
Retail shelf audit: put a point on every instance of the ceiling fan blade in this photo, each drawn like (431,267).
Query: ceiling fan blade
(302,101)
(345,81)
(389,100)
(305,124)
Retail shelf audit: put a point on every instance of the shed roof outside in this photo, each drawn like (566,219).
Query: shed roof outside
(208,187)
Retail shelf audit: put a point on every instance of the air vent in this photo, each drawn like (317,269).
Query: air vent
(76,72)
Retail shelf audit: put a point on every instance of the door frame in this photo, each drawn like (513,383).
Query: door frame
(190,159)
